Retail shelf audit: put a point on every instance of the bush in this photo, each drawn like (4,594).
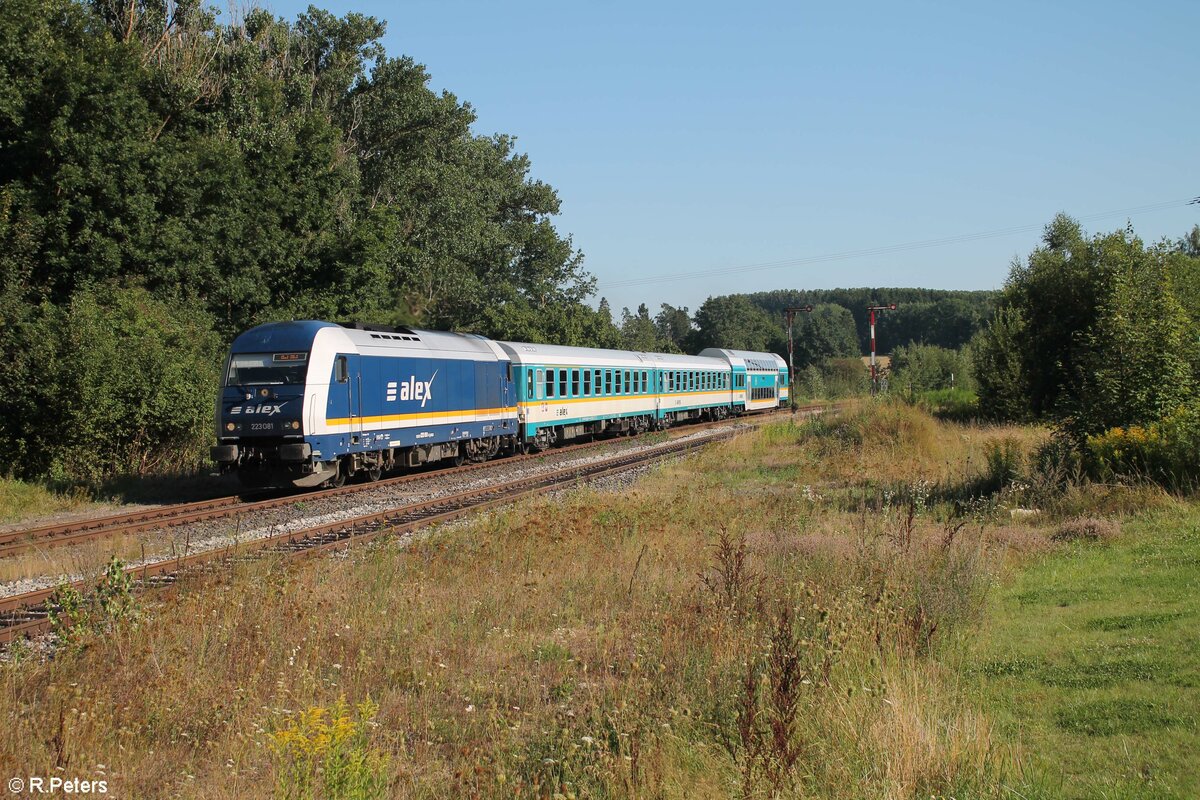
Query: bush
(1163,452)
(959,405)
(845,377)
(920,368)
(118,383)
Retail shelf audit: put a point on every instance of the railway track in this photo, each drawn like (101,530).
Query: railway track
(16,542)
(27,614)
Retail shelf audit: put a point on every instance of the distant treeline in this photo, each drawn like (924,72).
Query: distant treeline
(168,180)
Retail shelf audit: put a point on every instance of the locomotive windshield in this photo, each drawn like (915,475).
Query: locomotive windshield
(258,369)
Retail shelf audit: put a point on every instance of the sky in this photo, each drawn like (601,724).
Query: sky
(704,148)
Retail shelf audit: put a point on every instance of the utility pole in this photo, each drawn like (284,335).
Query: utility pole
(791,315)
(871,310)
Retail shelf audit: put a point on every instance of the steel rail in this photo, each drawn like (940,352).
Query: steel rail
(26,614)
(16,542)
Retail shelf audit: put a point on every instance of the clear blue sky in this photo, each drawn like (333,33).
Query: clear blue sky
(697,136)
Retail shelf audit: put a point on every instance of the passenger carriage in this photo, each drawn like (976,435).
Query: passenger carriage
(760,380)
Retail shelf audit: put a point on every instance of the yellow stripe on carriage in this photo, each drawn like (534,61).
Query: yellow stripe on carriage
(423,415)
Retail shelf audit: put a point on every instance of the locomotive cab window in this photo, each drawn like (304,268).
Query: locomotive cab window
(257,369)
(341,370)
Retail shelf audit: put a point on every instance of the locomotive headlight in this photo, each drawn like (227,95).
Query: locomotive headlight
(229,426)
(264,392)
(295,424)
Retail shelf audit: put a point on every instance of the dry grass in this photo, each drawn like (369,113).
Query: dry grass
(715,631)
(22,501)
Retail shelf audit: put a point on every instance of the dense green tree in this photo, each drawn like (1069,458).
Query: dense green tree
(998,359)
(254,171)
(638,331)
(1091,333)
(1135,368)
(735,322)
(674,326)
(825,332)
(115,381)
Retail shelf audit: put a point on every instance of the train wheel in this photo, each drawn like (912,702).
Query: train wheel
(339,478)
(374,473)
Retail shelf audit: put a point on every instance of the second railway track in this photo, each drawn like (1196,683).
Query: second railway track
(16,542)
(28,613)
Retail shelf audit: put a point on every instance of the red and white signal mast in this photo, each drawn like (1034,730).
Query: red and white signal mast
(874,374)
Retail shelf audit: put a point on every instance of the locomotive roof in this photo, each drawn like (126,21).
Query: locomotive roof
(300,335)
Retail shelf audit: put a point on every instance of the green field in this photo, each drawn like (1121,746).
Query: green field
(1089,662)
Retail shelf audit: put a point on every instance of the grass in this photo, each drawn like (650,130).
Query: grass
(736,624)
(20,500)
(1092,663)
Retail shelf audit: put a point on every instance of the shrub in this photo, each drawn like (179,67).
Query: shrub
(1087,529)
(958,404)
(121,383)
(920,368)
(326,752)
(845,377)
(1163,452)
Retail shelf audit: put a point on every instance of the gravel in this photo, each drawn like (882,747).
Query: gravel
(310,511)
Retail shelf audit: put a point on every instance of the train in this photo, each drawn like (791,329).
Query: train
(312,403)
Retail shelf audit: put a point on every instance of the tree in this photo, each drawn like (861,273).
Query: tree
(674,326)
(999,366)
(1136,368)
(735,322)
(1091,333)
(638,331)
(825,332)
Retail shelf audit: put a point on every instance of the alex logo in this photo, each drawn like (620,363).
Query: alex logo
(411,389)
(264,410)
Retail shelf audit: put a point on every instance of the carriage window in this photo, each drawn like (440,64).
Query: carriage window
(587,382)
(529,385)
(549,383)
(645,382)
(562,383)
(575,383)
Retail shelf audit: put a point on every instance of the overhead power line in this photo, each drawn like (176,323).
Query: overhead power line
(882,250)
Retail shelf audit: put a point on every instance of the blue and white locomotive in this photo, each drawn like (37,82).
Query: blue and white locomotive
(313,403)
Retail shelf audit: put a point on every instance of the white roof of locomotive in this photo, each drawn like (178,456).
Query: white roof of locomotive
(439,344)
